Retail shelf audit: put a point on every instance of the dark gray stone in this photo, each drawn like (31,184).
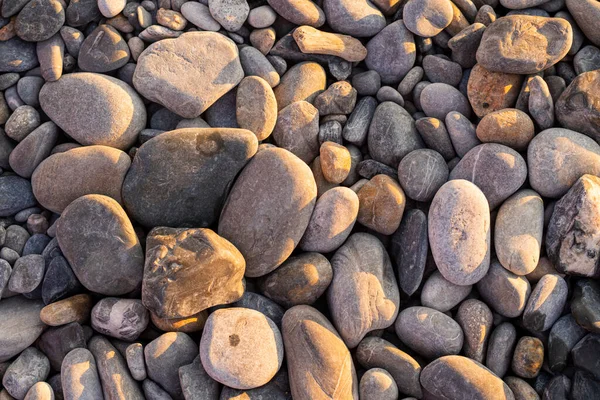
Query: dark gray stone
(366,83)
(29,88)
(359,18)
(584,386)
(30,367)
(545,303)
(421,173)
(356,128)
(196,384)
(578,106)
(409,247)
(57,342)
(564,335)
(391,52)
(27,274)
(439,99)
(475,318)
(80,13)
(434,134)
(500,348)
(39,20)
(103,50)
(464,45)
(585,304)
(17,55)
(59,281)
(15,195)
(441,294)
(441,70)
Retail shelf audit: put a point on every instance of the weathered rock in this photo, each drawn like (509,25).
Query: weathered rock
(231,14)
(297,130)
(256,107)
(357,127)
(427,18)
(302,82)
(490,91)
(528,357)
(72,309)
(475,318)
(114,265)
(506,292)
(20,325)
(190,270)
(15,195)
(584,386)
(79,376)
(391,53)
(299,280)
(510,127)
(585,305)
(439,99)
(27,274)
(103,50)
(409,250)
(381,204)
(95,109)
(30,367)
(112,369)
(208,158)
(212,68)
(523,44)
(59,281)
(123,319)
(363,285)
(545,303)
(564,335)
(461,253)
(457,377)
(241,348)
(299,12)
(572,237)
(577,107)
(359,18)
(441,294)
(57,342)
(22,122)
(319,363)
(392,134)
(377,383)
(39,20)
(500,348)
(429,332)
(314,41)
(585,354)
(278,185)
(196,384)
(497,170)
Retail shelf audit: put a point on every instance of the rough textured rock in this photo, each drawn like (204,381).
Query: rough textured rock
(523,44)
(490,91)
(577,107)
(584,305)
(392,52)
(114,264)
(564,335)
(39,20)
(190,270)
(64,177)
(457,377)
(241,348)
(20,325)
(198,165)
(363,286)
(319,363)
(461,253)
(573,238)
(103,50)
(30,367)
(545,303)
(123,319)
(278,188)
(95,109)
(202,67)
(196,384)
(475,318)
(585,13)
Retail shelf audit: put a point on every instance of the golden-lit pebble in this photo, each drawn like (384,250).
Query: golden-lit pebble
(72,309)
(335,162)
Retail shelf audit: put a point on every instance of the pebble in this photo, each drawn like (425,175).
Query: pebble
(545,304)
(196,384)
(465,262)
(210,158)
(103,50)
(241,348)
(585,354)
(357,127)
(564,335)
(439,99)
(367,83)
(506,292)
(363,288)
(541,105)
(441,294)
(464,44)
(359,18)
(318,362)
(59,281)
(302,82)
(18,55)
(57,342)
(263,40)
(40,391)
(501,344)
(331,131)
(29,88)
(262,17)
(585,13)
(171,19)
(72,309)
(462,133)
(509,126)
(27,274)
(199,15)
(39,20)
(427,18)
(314,41)
(134,355)
(30,367)
(20,325)
(442,70)
(256,106)
(421,173)
(475,318)
(391,53)
(429,332)
(381,204)
(274,187)
(443,376)
(299,12)
(23,121)
(576,107)
(584,305)
(254,63)
(377,383)
(528,357)
(5,272)
(33,149)
(490,91)
(111,8)
(123,319)
(297,130)
(190,270)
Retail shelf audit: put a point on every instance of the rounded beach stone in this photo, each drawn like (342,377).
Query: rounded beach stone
(32,150)
(199,166)
(435,135)
(528,357)
(193,323)
(30,367)
(490,91)
(523,44)
(15,195)
(262,304)
(103,50)
(40,391)
(510,127)
(190,270)
(331,221)
(20,325)
(196,383)
(339,98)
(363,285)
(358,18)
(22,122)
(17,55)
(374,352)
(304,81)
(421,173)
(585,354)
(441,294)
(335,162)
(467,261)
(254,63)
(72,309)
(462,133)
(64,177)
(577,107)
(57,342)
(263,40)
(276,184)
(165,355)
(188,89)
(521,389)
(567,154)
(299,12)
(545,303)
(39,20)
(456,377)
(429,332)
(134,355)
(381,204)
(564,335)
(59,281)
(497,170)
(391,53)
(300,279)
(392,134)
(231,14)
(318,362)
(427,18)
(438,99)
(378,384)
(95,109)
(111,8)
(27,274)
(518,232)
(114,264)
(123,319)
(297,130)
(475,318)
(256,106)
(500,348)
(585,13)
(241,348)
(199,14)
(262,17)
(506,292)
